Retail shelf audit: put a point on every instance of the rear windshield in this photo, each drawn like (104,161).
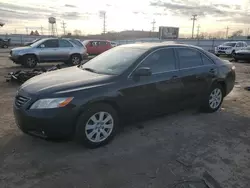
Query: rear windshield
(76,42)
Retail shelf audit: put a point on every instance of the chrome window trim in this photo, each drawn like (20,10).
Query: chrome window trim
(178,69)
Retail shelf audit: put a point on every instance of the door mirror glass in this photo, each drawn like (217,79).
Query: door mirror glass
(42,46)
(143,71)
(237,45)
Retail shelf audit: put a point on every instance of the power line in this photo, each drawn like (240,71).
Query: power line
(198,31)
(227,28)
(194,19)
(64,27)
(153,25)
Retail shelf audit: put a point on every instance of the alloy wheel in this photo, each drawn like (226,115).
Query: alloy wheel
(215,98)
(99,127)
(75,60)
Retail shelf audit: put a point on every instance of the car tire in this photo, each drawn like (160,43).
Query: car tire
(218,55)
(214,99)
(97,125)
(75,59)
(233,53)
(29,61)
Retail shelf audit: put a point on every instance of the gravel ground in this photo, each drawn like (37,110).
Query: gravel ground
(152,153)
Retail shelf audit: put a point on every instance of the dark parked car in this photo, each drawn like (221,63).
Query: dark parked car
(88,101)
(4,43)
(242,54)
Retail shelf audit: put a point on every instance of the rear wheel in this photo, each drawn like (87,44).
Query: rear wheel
(29,61)
(214,99)
(97,126)
(75,59)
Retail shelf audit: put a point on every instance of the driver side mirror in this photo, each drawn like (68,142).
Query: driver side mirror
(42,46)
(143,71)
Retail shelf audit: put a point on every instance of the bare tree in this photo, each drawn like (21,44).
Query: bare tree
(77,32)
(237,33)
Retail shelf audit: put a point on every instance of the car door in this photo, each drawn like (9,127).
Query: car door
(48,50)
(195,74)
(65,47)
(158,92)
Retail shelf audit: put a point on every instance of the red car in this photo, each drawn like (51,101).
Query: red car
(96,47)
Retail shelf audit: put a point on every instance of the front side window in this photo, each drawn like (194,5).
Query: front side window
(64,44)
(114,61)
(160,61)
(206,60)
(189,58)
(51,43)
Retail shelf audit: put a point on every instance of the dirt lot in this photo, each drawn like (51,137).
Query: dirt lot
(153,153)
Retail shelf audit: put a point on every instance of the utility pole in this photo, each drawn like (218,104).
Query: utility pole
(227,28)
(194,19)
(198,31)
(64,28)
(153,25)
(41,30)
(103,16)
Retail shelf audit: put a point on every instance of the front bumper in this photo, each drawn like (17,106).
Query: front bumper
(240,56)
(15,59)
(223,52)
(52,123)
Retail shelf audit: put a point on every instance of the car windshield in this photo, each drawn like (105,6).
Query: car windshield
(85,42)
(114,61)
(232,44)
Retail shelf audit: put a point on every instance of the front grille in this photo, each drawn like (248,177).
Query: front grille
(222,48)
(20,101)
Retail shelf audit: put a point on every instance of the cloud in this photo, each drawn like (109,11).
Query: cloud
(70,6)
(189,7)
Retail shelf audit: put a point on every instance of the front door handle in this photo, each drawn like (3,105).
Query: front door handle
(212,71)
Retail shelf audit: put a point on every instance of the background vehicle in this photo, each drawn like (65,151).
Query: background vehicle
(4,43)
(88,101)
(229,48)
(96,47)
(113,44)
(49,50)
(242,54)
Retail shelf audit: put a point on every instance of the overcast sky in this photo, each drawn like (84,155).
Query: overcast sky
(83,15)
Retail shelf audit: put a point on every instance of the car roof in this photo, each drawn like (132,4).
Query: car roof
(158,45)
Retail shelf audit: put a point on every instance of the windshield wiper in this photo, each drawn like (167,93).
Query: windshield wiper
(89,69)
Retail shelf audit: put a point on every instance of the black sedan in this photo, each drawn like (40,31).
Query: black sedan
(242,55)
(89,101)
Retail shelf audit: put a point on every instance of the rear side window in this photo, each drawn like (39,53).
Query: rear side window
(64,44)
(160,61)
(51,43)
(189,58)
(103,43)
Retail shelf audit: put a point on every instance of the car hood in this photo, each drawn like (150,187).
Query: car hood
(63,80)
(225,46)
(21,48)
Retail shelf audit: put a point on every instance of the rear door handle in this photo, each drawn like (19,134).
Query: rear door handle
(174,77)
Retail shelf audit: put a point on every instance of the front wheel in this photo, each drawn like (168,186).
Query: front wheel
(214,99)
(97,126)
(29,61)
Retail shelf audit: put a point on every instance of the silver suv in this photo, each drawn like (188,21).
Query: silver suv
(70,51)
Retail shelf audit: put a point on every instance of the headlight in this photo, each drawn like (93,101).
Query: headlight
(51,103)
